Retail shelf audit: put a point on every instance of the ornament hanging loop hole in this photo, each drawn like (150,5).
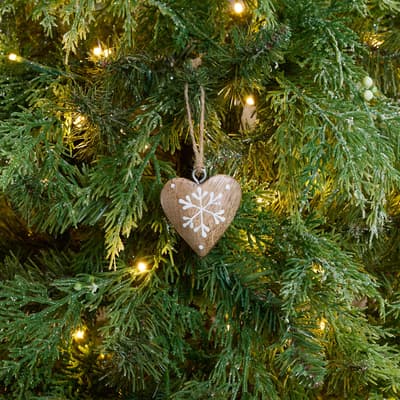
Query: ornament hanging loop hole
(199,175)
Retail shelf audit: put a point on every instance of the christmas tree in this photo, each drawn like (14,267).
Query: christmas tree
(102,102)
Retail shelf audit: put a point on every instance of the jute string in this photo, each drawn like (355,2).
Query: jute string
(198,148)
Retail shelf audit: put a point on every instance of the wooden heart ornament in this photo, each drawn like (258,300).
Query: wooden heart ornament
(201,212)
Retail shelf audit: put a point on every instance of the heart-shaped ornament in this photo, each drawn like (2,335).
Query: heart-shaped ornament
(201,212)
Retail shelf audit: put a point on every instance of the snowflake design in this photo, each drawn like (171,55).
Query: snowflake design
(202,201)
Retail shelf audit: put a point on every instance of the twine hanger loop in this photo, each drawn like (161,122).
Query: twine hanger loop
(199,169)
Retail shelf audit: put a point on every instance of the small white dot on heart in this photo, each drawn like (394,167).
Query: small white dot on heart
(228,187)
(173,185)
(201,247)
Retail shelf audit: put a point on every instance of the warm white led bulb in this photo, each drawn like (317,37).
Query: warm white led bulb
(322,324)
(238,7)
(142,266)
(79,334)
(12,57)
(107,53)
(250,101)
(97,51)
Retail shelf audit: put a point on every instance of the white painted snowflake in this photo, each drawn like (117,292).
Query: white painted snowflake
(201,203)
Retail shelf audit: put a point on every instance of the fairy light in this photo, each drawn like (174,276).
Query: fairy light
(12,57)
(142,266)
(322,324)
(238,7)
(107,53)
(79,334)
(250,100)
(97,51)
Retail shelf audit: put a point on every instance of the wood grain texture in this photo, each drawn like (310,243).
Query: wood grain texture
(201,213)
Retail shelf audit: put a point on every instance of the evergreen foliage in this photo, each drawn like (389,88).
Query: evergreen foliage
(300,299)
